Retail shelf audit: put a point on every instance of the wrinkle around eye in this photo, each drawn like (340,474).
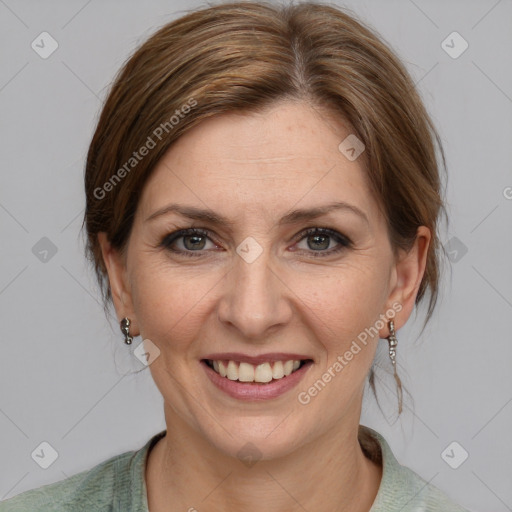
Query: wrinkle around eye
(357,236)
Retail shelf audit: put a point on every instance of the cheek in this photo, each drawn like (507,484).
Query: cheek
(345,297)
(169,302)
(342,306)
(335,304)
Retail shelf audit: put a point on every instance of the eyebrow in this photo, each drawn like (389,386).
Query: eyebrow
(293,217)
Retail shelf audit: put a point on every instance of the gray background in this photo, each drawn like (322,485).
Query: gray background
(65,375)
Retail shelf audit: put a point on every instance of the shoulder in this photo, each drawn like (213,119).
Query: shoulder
(76,491)
(403,489)
(91,489)
(115,484)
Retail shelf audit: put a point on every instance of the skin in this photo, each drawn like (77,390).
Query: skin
(254,169)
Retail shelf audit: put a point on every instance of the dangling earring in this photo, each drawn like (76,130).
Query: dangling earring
(393,342)
(125,329)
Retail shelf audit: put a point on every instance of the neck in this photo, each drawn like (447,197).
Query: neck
(185,472)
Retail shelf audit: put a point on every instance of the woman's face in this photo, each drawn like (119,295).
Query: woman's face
(261,283)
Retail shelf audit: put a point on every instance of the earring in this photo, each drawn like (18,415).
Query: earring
(393,342)
(125,329)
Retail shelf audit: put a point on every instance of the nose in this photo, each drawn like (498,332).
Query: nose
(255,300)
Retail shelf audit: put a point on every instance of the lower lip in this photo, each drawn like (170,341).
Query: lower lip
(253,391)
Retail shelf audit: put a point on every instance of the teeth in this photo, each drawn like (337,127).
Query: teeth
(246,372)
(222,368)
(278,371)
(288,368)
(263,373)
(232,370)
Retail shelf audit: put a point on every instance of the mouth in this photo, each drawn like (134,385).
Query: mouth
(263,373)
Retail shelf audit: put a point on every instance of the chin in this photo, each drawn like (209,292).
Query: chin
(256,438)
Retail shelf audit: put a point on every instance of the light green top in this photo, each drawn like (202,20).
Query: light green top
(118,485)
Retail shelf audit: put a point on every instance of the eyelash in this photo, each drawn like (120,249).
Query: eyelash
(344,242)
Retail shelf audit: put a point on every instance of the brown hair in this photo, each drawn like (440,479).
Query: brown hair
(243,57)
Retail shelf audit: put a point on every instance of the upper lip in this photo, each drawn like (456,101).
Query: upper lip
(259,359)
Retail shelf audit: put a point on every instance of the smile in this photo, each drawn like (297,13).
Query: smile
(260,373)
(257,380)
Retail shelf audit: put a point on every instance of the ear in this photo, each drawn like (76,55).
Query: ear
(119,284)
(406,279)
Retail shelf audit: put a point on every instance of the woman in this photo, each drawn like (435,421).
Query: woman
(263,198)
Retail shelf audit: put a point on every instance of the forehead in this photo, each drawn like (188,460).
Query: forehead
(285,157)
